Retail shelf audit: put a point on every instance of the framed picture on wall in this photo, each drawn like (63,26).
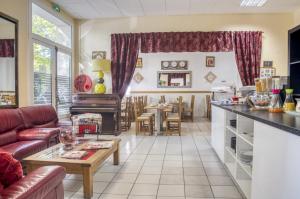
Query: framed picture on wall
(99,55)
(210,61)
(139,63)
(266,72)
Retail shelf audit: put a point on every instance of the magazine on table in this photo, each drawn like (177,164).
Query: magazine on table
(98,145)
(74,154)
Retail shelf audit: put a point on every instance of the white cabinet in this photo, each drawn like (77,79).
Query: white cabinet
(275,170)
(232,135)
(276,163)
(218,131)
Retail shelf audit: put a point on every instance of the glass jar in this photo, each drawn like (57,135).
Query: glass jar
(298,105)
(261,100)
(276,103)
(66,138)
(289,104)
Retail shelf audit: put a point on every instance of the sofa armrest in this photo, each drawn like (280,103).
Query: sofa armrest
(38,134)
(37,184)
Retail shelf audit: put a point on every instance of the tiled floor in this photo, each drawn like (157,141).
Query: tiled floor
(162,167)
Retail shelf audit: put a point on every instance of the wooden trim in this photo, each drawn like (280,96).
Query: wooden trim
(168,92)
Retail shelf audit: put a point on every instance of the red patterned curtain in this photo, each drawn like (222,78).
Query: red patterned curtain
(247,48)
(186,42)
(7,47)
(124,54)
(125,48)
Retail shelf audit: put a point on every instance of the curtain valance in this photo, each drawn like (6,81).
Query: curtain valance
(125,47)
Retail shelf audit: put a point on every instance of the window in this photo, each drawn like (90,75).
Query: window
(50,27)
(42,74)
(52,60)
(64,90)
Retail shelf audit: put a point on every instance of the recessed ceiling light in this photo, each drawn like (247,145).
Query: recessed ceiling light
(252,3)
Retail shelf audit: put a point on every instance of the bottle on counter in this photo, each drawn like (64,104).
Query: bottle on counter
(298,105)
(276,103)
(289,104)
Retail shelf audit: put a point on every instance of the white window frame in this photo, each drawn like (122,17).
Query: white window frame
(54,46)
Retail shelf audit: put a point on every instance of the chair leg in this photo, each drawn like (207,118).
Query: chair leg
(136,127)
(152,126)
(179,128)
(153,122)
(139,127)
(167,127)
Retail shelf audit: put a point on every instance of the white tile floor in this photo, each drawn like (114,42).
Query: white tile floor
(162,167)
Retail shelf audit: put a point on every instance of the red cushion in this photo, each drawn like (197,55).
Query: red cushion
(22,149)
(10,169)
(11,121)
(39,116)
(38,134)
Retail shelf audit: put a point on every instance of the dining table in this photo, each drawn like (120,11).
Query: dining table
(159,110)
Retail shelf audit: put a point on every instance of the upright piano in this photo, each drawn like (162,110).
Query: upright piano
(108,105)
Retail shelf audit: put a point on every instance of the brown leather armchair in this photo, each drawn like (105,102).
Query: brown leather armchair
(43,183)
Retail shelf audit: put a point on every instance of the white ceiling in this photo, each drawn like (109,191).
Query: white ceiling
(92,9)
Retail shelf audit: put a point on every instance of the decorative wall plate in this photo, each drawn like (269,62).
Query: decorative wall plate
(138,77)
(174,65)
(83,83)
(210,77)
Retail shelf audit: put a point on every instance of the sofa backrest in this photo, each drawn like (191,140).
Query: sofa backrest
(10,122)
(42,116)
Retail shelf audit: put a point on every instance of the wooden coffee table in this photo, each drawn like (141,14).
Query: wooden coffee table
(86,167)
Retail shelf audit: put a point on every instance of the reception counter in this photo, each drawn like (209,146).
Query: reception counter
(274,139)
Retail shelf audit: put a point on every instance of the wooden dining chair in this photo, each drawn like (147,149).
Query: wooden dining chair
(173,120)
(143,123)
(189,111)
(162,99)
(126,114)
(143,103)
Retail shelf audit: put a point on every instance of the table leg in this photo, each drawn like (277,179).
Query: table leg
(117,155)
(87,182)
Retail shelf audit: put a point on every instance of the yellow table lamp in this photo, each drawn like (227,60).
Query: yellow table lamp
(100,66)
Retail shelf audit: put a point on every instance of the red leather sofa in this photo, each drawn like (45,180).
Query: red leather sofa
(28,130)
(43,183)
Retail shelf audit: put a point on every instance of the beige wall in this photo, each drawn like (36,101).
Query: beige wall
(297,17)
(20,9)
(7,30)
(95,34)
